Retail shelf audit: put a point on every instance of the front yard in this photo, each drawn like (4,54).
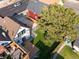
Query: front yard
(45,46)
(67,53)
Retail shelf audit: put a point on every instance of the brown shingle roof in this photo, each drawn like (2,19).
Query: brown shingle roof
(10,25)
(31,48)
(1,21)
(28,49)
(2,49)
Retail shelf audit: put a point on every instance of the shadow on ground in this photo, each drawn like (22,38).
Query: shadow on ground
(45,51)
(58,56)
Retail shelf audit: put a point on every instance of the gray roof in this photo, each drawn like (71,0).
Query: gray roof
(17,54)
(22,20)
(36,6)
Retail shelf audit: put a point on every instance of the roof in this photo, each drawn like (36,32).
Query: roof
(23,20)
(2,49)
(28,48)
(17,54)
(1,21)
(36,6)
(31,48)
(76,43)
(11,26)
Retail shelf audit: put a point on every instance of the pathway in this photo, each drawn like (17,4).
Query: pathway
(55,55)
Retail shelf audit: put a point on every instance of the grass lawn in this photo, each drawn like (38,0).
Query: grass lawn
(45,46)
(67,53)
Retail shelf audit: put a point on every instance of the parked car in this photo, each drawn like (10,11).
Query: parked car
(33,15)
(17,4)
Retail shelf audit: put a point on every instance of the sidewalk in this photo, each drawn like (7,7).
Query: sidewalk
(55,55)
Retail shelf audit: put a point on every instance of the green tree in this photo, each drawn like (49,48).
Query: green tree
(58,22)
(8,57)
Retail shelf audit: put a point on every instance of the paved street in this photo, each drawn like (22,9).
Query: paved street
(72,4)
(11,9)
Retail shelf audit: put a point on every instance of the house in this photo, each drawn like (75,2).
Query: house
(14,29)
(37,5)
(76,45)
(4,37)
(17,51)
(24,20)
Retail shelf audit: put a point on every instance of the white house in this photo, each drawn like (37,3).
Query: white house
(23,31)
(16,30)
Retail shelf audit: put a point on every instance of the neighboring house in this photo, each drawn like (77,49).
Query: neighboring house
(37,5)
(76,45)
(4,37)
(25,21)
(22,19)
(14,29)
(18,51)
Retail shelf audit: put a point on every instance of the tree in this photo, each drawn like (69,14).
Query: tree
(8,57)
(58,22)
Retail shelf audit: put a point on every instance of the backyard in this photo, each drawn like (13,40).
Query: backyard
(45,46)
(67,53)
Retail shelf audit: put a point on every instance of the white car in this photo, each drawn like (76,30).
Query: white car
(17,4)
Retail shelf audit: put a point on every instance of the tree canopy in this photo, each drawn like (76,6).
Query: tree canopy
(57,22)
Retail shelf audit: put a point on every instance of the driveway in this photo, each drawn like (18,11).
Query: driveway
(59,50)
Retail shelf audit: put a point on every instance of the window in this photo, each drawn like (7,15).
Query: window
(21,33)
